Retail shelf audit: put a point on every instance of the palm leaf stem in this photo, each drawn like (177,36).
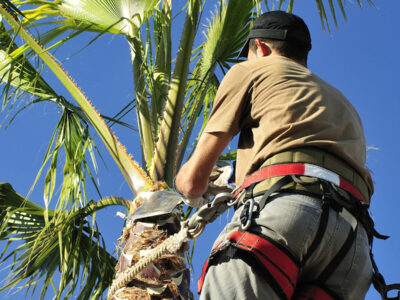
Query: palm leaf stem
(142,106)
(162,66)
(164,163)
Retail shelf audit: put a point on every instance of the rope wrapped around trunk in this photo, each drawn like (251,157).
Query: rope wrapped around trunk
(170,246)
(190,229)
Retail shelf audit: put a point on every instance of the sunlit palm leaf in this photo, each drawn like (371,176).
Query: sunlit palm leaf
(161,72)
(146,128)
(152,76)
(125,16)
(114,16)
(67,245)
(72,134)
(135,176)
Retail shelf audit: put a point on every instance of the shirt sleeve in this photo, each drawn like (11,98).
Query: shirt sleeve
(231,101)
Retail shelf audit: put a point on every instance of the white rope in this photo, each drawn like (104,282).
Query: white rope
(170,246)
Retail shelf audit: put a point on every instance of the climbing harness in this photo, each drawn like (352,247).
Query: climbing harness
(260,252)
(275,262)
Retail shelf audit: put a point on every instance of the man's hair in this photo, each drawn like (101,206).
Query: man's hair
(293,50)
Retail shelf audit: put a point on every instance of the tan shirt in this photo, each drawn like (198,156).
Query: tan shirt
(276,104)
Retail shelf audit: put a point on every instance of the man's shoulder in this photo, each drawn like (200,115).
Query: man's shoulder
(238,73)
(241,67)
(271,62)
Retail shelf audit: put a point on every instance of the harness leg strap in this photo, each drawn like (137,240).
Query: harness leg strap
(276,264)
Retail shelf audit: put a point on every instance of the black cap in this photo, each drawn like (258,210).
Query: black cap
(278,25)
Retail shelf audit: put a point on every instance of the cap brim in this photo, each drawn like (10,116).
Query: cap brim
(245,50)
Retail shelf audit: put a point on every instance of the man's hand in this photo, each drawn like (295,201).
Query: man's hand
(192,179)
(195,202)
(218,181)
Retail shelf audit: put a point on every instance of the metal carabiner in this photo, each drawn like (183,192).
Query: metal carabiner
(197,230)
(250,204)
(221,198)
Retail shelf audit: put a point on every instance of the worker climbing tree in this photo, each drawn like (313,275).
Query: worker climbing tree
(301,218)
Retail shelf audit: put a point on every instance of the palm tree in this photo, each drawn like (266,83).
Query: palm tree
(171,97)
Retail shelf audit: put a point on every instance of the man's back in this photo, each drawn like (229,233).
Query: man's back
(278,104)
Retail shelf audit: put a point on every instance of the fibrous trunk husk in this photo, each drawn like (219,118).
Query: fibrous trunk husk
(165,278)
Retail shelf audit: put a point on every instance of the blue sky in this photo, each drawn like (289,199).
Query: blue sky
(360,58)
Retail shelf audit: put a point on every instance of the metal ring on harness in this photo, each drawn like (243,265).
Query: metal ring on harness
(207,213)
(250,204)
(197,230)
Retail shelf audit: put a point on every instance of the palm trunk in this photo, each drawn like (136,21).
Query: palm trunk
(166,277)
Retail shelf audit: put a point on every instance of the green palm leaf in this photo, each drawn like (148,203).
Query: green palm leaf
(113,16)
(17,72)
(67,245)
(135,176)
(125,16)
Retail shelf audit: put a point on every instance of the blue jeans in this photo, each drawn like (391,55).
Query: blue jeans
(292,220)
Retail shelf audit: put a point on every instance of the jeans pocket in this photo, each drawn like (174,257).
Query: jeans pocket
(291,220)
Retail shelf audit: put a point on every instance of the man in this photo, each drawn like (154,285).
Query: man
(299,229)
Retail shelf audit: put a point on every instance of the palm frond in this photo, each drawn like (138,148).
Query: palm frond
(135,176)
(146,128)
(71,136)
(161,74)
(72,131)
(66,245)
(17,72)
(127,15)
(321,6)
(118,17)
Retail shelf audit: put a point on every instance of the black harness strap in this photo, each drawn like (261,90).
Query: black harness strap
(313,292)
(246,214)
(380,284)
(339,256)
(275,188)
(323,222)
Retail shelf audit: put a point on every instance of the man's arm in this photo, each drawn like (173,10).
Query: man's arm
(192,179)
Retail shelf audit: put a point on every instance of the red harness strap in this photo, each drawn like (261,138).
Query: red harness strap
(301,169)
(200,281)
(275,261)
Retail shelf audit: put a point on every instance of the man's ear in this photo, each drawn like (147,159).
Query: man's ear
(262,49)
